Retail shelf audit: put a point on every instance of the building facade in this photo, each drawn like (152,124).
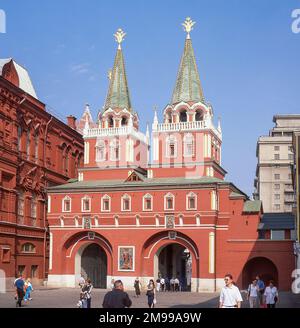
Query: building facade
(175,216)
(273,182)
(37,151)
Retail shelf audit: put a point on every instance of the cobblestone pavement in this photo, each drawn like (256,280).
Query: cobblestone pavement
(68,298)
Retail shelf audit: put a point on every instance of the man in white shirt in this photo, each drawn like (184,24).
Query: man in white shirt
(230,296)
(271,295)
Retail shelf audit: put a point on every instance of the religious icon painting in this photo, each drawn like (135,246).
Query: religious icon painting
(126,258)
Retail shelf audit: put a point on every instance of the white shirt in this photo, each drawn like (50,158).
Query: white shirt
(253,290)
(270,294)
(230,296)
(162,281)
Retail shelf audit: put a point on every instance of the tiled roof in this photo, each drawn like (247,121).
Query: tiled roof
(277,221)
(252,206)
(98,184)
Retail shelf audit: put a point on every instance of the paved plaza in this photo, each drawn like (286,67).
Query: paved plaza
(68,298)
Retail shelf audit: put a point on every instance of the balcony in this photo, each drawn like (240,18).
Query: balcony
(113,132)
(186,126)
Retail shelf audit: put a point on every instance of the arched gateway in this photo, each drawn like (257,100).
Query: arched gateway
(94,265)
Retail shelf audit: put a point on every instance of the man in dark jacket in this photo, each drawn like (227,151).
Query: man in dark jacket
(116,298)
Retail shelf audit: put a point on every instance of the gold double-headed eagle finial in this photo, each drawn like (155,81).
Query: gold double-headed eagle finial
(188,26)
(119,36)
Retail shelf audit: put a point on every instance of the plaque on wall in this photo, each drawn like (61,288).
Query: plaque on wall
(172,234)
(91,235)
(87,223)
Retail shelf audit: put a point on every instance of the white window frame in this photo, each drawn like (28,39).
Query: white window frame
(49,204)
(113,145)
(188,196)
(100,145)
(63,204)
(82,202)
(104,198)
(169,195)
(145,197)
(188,139)
(128,197)
(171,139)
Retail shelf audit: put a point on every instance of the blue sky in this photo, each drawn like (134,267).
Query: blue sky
(247,56)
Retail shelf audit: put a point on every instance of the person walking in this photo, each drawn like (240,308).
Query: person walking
(230,296)
(87,290)
(172,284)
(117,298)
(158,284)
(137,287)
(252,296)
(271,295)
(28,289)
(176,283)
(261,289)
(162,284)
(20,285)
(81,282)
(151,294)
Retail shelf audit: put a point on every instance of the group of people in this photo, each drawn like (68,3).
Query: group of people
(85,299)
(261,296)
(23,290)
(257,294)
(169,285)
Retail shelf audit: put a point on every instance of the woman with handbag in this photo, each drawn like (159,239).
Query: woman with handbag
(151,293)
(271,295)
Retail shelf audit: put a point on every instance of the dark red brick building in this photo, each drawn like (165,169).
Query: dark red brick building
(36,151)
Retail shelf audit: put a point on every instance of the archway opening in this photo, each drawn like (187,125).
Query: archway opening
(94,265)
(183,116)
(199,115)
(174,261)
(262,267)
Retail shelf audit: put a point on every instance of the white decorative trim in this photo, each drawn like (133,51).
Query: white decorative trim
(188,196)
(86,197)
(169,195)
(125,197)
(49,204)
(211,252)
(147,196)
(103,198)
(86,152)
(63,204)
(50,250)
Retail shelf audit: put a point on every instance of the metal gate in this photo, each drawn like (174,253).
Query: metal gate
(94,265)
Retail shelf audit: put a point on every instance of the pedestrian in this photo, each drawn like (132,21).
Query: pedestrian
(87,290)
(20,285)
(28,289)
(271,295)
(261,289)
(82,303)
(167,283)
(176,284)
(158,284)
(162,284)
(137,287)
(81,282)
(172,284)
(117,298)
(252,295)
(151,294)
(16,294)
(230,296)
(112,284)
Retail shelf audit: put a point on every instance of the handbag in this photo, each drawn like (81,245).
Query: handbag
(154,300)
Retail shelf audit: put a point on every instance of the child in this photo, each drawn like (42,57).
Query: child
(82,301)
(29,289)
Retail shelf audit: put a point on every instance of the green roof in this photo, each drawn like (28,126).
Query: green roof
(118,93)
(235,194)
(99,184)
(252,206)
(188,86)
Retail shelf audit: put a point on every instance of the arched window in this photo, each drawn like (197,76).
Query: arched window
(28,248)
(20,207)
(124,121)
(169,201)
(168,117)
(147,202)
(36,146)
(86,204)
(183,116)
(105,203)
(28,144)
(66,204)
(114,150)
(188,145)
(191,201)
(100,151)
(110,122)
(33,206)
(171,146)
(199,115)
(126,203)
